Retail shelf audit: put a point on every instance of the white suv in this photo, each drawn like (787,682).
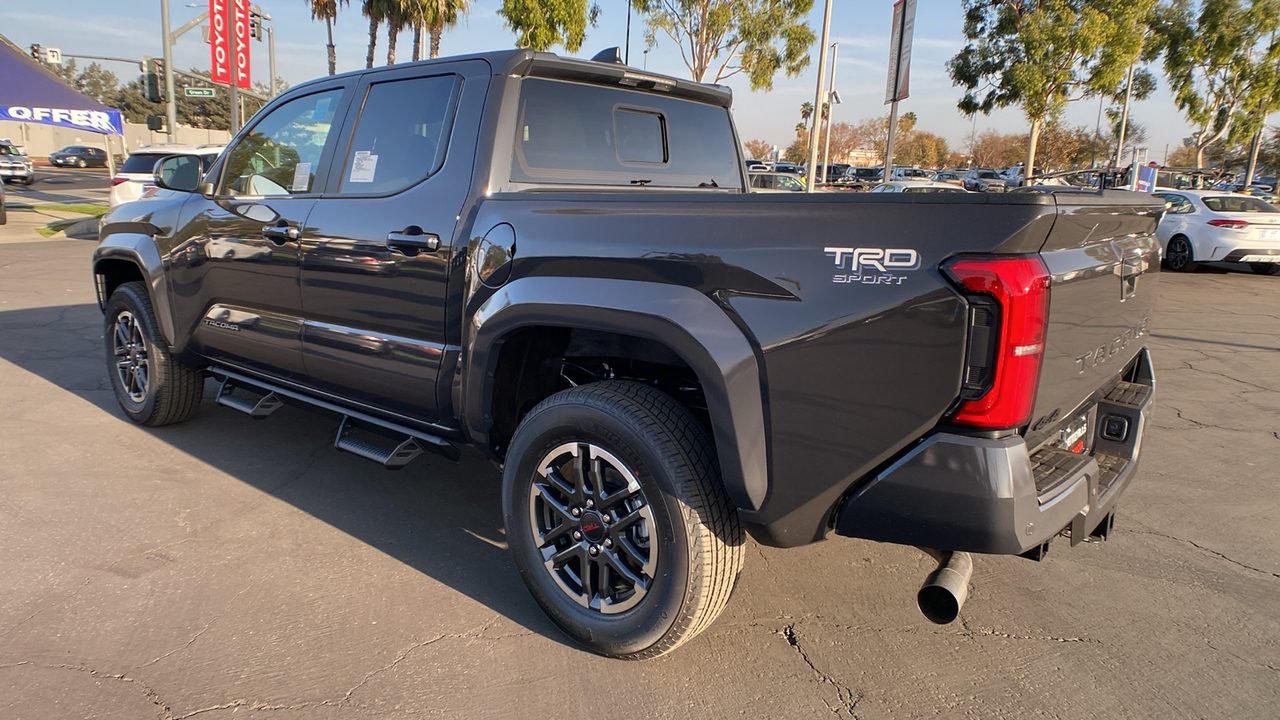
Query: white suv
(134,177)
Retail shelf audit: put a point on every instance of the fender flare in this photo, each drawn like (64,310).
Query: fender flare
(140,249)
(682,318)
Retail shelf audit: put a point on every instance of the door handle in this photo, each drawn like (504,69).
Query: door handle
(281,234)
(412,241)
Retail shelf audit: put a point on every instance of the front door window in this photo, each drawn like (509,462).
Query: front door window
(281,155)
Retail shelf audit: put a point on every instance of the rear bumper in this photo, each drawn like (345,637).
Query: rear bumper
(955,492)
(1253,255)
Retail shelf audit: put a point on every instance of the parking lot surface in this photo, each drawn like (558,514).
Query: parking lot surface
(233,568)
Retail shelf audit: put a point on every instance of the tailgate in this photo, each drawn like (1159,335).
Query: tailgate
(1103,259)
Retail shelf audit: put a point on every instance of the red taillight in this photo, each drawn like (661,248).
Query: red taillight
(117,180)
(1233,224)
(1020,288)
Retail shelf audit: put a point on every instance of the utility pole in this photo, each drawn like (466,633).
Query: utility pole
(831,110)
(626,58)
(812,167)
(170,102)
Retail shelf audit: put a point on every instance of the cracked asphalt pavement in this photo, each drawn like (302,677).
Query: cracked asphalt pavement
(233,568)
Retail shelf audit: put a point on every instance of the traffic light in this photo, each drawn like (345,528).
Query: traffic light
(154,79)
(37,52)
(255,23)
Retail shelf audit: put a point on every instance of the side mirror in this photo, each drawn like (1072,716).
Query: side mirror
(177,172)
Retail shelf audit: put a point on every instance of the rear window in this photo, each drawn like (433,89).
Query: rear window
(987,174)
(140,163)
(1238,204)
(572,133)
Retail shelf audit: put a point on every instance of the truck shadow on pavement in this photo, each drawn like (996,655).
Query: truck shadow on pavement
(443,519)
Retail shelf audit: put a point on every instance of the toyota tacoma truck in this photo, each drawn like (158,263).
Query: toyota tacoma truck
(557,262)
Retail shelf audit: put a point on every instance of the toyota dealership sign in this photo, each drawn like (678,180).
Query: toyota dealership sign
(228,29)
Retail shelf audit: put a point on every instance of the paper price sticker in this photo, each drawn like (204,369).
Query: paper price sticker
(301,178)
(363,166)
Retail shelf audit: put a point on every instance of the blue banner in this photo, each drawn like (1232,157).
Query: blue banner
(1147,178)
(107,122)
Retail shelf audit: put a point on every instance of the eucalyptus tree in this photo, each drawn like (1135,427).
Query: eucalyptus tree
(721,38)
(541,24)
(1222,58)
(1041,54)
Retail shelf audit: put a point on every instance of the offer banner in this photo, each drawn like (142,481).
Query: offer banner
(219,45)
(240,26)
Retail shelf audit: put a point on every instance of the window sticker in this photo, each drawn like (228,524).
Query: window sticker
(301,177)
(363,166)
(322,109)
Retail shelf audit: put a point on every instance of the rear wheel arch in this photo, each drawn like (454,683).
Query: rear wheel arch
(516,345)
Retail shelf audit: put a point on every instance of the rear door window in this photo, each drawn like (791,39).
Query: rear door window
(401,136)
(572,133)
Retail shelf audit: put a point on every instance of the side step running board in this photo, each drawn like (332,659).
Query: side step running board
(414,443)
(257,409)
(393,459)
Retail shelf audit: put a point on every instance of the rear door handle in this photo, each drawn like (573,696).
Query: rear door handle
(412,241)
(281,234)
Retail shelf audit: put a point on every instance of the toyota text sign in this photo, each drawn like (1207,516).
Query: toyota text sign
(229,27)
(240,21)
(219,45)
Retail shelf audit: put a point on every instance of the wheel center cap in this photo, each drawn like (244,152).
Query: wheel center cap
(592,526)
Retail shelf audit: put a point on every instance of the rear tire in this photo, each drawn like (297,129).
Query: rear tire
(1265,268)
(81,163)
(153,387)
(1178,255)
(618,519)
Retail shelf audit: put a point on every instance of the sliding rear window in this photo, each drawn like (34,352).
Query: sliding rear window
(575,134)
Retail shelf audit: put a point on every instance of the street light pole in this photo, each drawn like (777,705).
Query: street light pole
(170,102)
(271,52)
(831,110)
(817,101)
(233,48)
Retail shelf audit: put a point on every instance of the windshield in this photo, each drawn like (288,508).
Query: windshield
(914,172)
(1238,204)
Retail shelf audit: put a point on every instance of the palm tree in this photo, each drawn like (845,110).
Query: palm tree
(435,16)
(377,11)
(327,10)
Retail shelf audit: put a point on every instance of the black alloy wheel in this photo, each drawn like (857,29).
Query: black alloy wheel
(152,386)
(1178,254)
(618,520)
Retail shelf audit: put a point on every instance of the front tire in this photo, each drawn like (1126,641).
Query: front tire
(153,388)
(81,163)
(1178,255)
(618,520)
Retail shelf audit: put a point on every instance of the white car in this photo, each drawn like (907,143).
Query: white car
(133,179)
(917,186)
(1216,226)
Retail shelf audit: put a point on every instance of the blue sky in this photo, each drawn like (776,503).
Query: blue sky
(131,28)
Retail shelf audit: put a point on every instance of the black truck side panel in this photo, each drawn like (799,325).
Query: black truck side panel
(852,370)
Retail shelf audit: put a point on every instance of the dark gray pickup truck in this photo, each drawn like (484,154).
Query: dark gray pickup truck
(556,261)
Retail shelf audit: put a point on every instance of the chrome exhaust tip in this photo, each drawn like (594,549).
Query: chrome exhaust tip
(946,589)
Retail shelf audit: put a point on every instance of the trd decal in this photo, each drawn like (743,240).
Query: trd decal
(873,266)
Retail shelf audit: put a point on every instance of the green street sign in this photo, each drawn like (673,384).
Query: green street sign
(198,92)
